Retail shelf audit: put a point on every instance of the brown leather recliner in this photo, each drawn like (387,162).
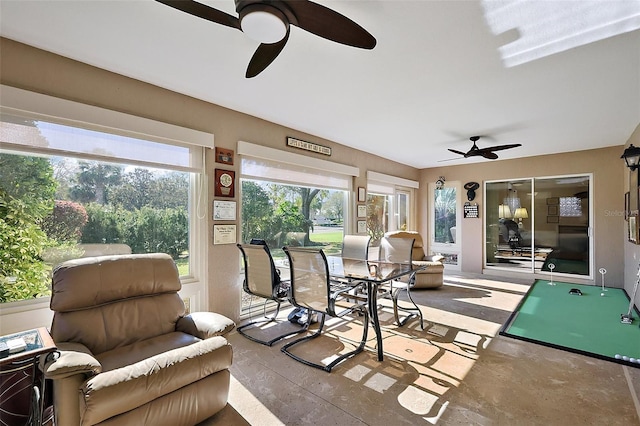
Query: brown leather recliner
(128,353)
(431,277)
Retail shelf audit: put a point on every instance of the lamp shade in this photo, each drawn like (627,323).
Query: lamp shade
(504,211)
(521,213)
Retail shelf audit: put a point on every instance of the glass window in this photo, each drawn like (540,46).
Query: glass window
(69,191)
(389,205)
(445,222)
(534,223)
(445,213)
(287,204)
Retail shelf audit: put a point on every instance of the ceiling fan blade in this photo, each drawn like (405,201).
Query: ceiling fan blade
(329,24)
(264,55)
(489,155)
(457,152)
(501,147)
(202,11)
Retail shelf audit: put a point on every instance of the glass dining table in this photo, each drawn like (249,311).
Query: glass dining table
(373,274)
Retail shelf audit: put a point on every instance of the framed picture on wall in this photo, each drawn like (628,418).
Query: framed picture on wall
(633,229)
(362,210)
(362,227)
(362,194)
(627,196)
(224,183)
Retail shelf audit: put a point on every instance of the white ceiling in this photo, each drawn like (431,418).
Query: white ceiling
(435,78)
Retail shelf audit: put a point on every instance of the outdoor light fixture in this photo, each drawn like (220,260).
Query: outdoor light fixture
(264,23)
(631,156)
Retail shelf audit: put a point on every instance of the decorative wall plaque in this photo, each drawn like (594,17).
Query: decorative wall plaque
(224,156)
(224,183)
(471,210)
(308,146)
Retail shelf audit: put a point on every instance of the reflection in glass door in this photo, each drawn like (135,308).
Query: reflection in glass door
(509,225)
(533,223)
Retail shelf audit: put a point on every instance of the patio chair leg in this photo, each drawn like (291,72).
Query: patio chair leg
(267,320)
(329,367)
(417,313)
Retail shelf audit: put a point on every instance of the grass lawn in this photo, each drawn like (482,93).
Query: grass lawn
(183,266)
(332,241)
(327,237)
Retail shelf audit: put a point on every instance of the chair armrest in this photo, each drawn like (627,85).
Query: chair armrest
(74,358)
(433,258)
(205,324)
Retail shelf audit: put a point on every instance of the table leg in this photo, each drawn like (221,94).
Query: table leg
(372,291)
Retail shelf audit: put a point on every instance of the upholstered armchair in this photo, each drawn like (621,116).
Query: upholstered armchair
(128,353)
(432,276)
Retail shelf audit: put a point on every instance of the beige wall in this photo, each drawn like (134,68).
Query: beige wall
(631,251)
(608,177)
(39,71)
(32,69)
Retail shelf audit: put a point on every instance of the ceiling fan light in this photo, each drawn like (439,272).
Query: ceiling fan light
(265,27)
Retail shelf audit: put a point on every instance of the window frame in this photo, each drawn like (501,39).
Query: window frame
(37,106)
(454,248)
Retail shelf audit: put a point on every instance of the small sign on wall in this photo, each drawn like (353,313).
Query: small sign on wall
(224,234)
(471,211)
(224,210)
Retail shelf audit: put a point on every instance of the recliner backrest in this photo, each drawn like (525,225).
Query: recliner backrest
(110,301)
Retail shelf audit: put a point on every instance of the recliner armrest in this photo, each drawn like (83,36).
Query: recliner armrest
(74,358)
(205,324)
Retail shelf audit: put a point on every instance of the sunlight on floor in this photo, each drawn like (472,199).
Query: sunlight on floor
(253,410)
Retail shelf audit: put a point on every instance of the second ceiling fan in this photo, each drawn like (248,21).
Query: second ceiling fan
(268,22)
(487,152)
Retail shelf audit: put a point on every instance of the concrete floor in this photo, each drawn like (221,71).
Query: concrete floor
(457,371)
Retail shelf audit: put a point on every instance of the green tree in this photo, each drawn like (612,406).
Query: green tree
(133,191)
(307,196)
(333,206)
(257,212)
(26,197)
(170,190)
(65,222)
(105,224)
(94,181)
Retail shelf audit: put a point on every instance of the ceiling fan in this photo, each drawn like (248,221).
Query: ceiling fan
(268,21)
(484,152)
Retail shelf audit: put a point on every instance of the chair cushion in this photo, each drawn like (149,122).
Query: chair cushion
(138,351)
(122,389)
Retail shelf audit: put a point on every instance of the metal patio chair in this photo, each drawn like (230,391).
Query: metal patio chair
(313,289)
(400,250)
(261,278)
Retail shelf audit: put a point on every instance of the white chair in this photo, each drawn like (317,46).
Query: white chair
(400,250)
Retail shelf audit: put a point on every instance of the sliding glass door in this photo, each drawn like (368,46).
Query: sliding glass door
(539,224)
